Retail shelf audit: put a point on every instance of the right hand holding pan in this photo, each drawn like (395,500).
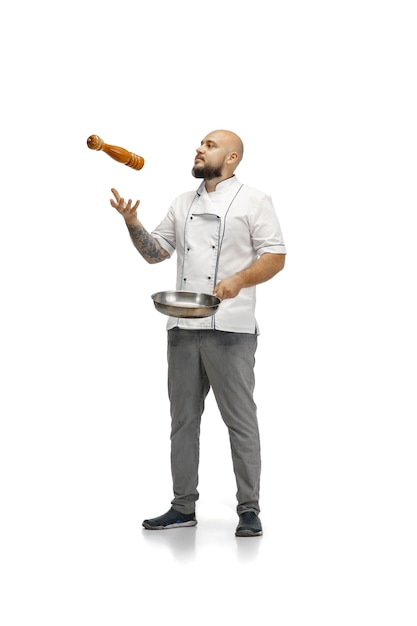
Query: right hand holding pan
(125,208)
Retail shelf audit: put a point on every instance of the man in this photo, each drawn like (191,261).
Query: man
(228,240)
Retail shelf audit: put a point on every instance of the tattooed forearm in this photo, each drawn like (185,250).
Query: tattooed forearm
(146,245)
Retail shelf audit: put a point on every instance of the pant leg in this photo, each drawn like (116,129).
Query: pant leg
(188,387)
(229,360)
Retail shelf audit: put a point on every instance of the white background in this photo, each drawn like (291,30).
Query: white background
(324,96)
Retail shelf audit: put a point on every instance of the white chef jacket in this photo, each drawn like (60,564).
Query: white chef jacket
(216,235)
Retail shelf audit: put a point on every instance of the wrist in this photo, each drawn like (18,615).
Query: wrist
(132,220)
(240,277)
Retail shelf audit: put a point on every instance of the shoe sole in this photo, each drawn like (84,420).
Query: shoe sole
(169,526)
(248,533)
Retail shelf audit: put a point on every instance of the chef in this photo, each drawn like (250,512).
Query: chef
(228,239)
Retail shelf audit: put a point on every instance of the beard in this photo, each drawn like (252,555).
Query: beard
(208,172)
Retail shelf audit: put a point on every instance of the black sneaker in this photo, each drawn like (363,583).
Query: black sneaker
(170,519)
(249,525)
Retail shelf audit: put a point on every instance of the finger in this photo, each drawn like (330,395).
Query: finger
(116,195)
(131,209)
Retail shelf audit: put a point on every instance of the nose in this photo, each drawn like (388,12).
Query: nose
(199,150)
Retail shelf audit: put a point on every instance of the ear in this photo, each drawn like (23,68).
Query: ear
(232,157)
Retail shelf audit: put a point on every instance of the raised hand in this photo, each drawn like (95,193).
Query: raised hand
(126,209)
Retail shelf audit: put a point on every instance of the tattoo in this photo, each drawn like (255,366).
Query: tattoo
(146,245)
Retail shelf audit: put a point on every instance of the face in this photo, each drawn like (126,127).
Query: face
(210,158)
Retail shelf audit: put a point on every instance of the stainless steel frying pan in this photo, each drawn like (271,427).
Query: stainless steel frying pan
(185,303)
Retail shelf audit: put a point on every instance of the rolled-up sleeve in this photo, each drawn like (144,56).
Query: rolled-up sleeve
(165,233)
(265,228)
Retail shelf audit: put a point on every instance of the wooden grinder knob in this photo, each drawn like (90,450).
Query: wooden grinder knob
(94,142)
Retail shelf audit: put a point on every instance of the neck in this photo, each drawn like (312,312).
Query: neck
(212,184)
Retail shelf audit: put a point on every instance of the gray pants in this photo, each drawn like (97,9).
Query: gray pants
(197,361)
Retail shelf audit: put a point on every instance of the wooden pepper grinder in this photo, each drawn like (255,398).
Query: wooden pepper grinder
(94,142)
